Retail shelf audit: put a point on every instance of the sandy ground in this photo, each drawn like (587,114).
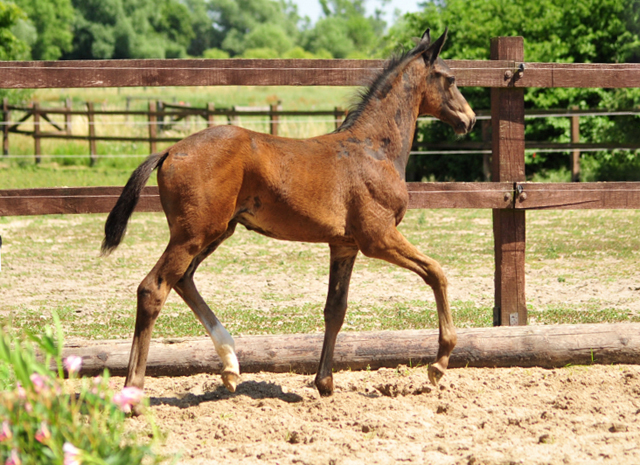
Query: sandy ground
(572,415)
(476,416)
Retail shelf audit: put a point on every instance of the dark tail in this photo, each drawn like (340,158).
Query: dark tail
(116,224)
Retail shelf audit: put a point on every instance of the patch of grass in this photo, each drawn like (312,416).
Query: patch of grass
(581,234)
(570,315)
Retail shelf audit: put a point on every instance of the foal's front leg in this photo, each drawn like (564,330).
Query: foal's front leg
(342,260)
(394,248)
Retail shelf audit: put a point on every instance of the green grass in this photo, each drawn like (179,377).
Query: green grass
(292,97)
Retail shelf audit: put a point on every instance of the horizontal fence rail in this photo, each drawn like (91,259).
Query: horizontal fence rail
(299,72)
(494,195)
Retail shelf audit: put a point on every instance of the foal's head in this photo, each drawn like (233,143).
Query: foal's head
(442,98)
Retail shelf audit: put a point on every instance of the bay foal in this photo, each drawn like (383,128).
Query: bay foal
(345,189)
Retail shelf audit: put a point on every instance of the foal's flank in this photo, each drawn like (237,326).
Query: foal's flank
(345,189)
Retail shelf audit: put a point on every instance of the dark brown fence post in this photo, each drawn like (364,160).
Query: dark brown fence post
(92,134)
(6,120)
(507,122)
(210,109)
(36,131)
(273,117)
(153,128)
(160,115)
(67,117)
(338,114)
(575,155)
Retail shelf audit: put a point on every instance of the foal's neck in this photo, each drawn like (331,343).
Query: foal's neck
(390,117)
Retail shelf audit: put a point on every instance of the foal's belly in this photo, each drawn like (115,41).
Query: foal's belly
(290,227)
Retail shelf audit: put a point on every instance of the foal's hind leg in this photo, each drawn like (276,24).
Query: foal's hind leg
(394,248)
(222,340)
(152,294)
(342,260)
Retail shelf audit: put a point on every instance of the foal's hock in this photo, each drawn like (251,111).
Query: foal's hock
(346,189)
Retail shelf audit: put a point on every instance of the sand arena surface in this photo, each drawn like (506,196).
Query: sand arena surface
(573,415)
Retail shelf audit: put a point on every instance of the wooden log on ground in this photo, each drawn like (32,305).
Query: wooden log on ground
(524,346)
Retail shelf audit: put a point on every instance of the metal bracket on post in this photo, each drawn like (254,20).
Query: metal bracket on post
(512,75)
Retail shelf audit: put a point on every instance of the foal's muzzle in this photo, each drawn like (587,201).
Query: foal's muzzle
(465,125)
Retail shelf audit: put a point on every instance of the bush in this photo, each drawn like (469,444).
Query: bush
(46,422)
(215,53)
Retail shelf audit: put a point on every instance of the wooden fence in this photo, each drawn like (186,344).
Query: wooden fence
(508,195)
(161,116)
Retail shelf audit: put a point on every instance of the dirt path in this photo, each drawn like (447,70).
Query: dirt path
(476,416)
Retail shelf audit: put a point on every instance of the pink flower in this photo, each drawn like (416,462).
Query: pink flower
(71,454)
(43,434)
(5,432)
(97,382)
(13,459)
(73,363)
(128,397)
(39,383)
(22,394)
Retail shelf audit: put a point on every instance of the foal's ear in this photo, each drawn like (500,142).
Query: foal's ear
(432,53)
(426,38)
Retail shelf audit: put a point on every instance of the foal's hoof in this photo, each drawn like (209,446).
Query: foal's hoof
(230,380)
(325,386)
(435,373)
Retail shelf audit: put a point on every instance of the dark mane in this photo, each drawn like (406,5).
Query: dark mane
(380,85)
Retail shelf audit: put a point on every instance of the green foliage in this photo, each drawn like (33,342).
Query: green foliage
(345,31)
(215,53)
(263,52)
(52,21)
(592,31)
(131,29)
(268,36)
(46,422)
(298,52)
(243,24)
(11,48)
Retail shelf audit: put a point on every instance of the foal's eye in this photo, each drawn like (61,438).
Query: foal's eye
(451,80)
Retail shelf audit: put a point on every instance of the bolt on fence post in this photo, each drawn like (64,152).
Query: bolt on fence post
(507,122)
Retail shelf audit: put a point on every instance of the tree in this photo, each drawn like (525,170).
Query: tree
(52,20)
(345,31)
(580,31)
(131,29)
(239,25)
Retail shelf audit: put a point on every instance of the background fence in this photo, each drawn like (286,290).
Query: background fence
(508,195)
(161,117)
